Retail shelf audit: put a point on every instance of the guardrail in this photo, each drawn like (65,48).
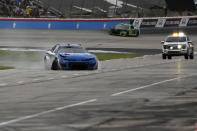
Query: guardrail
(95,24)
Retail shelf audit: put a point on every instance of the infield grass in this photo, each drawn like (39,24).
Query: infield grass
(6,67)
(110,56)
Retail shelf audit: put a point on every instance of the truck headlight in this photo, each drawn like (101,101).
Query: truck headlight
(179,46)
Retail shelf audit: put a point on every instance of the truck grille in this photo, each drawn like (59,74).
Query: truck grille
(174,47)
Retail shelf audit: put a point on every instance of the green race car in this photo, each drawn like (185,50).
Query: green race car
(124,30)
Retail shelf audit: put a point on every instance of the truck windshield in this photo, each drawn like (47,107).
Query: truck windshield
(176,39)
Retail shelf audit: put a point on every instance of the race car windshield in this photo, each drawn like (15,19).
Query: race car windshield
(176,39)
(71,50)
(122,27)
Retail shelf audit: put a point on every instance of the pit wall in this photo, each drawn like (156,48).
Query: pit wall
(60,24)
(96,24)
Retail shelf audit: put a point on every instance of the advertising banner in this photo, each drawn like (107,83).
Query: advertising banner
(137,22)
(184,22)
(149,23)
(192,22)
(172,22)
(161,22)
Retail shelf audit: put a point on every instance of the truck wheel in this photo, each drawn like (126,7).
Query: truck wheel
(186,57)
(169,57)
(191,56)
(163,56)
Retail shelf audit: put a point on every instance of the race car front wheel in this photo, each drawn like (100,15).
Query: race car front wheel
(137,34)
(54,65)
(123,33)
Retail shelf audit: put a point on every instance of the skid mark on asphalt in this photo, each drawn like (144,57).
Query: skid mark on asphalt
(46,112)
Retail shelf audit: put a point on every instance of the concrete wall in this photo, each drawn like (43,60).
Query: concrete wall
(60,24)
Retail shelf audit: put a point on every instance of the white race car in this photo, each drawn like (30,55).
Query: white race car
(177,44)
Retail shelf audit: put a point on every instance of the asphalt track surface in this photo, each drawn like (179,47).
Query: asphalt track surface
(141,94)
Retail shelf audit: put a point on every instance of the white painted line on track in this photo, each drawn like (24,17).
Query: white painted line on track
(51,78)
(20,82)
(64,76)
(157,83)
(76,74)
(36,79)
(46,112)
(3,84)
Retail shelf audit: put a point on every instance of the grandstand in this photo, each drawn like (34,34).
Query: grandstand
(96,8)
(122,8)
(80,7)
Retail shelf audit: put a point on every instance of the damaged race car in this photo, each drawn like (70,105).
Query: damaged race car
(124,30)
(70,57)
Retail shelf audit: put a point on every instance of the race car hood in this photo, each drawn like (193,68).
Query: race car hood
(77,56)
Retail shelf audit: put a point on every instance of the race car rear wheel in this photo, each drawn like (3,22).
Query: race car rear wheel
(110,32)
(163,56)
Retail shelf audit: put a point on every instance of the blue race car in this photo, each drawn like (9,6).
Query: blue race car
(70,57)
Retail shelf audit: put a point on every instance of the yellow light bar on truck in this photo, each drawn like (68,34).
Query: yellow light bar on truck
(176,34)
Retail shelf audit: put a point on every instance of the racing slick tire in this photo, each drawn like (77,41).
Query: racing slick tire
(163,56)
(191,56)
(110,32)
(137,33)
(169,57)
(96,67)
(54,65)
(123,33)
(186,56)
